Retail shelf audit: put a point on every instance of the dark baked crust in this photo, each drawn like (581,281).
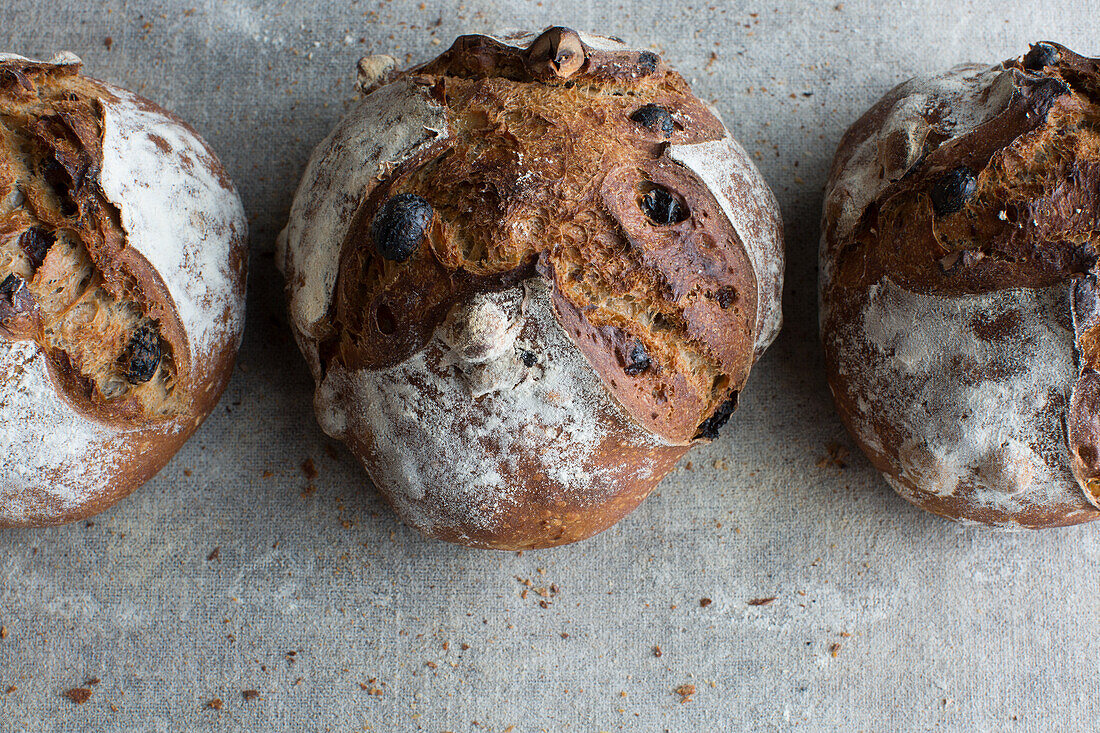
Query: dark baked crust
(1007,205)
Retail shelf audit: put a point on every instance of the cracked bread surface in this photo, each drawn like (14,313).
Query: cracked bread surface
(958,289)
(107,368)
(559,166)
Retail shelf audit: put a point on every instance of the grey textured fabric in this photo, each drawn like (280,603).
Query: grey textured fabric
(225,574)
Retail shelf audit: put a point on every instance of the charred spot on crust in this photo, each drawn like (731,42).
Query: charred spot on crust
(708,430)
(142,356)
(648,62)
(528,359)
(384,319)
(1040,56)
(726,297)
(399,226)
(663,208)
(951,191)
(655,118)
(36,242)
(639,361)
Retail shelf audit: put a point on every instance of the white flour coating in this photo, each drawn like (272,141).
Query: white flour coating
(963,98)
(179,214)
(447,460)
(981,413)
(42,436)
(386,128)
(749,204)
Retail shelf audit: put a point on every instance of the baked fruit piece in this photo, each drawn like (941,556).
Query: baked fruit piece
(122,266)
(528,275)
(959,306)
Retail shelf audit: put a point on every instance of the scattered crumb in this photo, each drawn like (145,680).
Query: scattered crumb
(78,695)
(834,649)
(704,602)
(721,464)
(214,554)
(3,632)
(761,601)
(187,472)
(838,456)
(215,704)
(250,694)
(685,692)
(656,650)
(9,689)
(309,469)
(108,42)
(93,681)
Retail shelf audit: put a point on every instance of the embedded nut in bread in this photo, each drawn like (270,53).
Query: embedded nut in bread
(122,263)
(959,307)
(527,276)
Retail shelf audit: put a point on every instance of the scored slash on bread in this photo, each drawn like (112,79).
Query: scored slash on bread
(528,275)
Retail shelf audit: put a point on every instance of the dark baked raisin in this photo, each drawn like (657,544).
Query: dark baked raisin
(36,242)
(726,296)
(1040,56)
(639,361)
(655,118)
(710,427)
(18,310)
(951,191)
(648,62)
(529,359)
(9,286)
(142,356)
(662,207)
(399,226)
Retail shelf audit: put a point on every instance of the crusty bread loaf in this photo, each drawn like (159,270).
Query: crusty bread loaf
(122,261)
(959,306)
(528,275)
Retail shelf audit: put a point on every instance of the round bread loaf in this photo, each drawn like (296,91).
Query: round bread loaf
(528,275)
(122,267)
(959,307)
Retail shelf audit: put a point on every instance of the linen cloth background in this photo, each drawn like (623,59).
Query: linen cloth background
(226,574)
